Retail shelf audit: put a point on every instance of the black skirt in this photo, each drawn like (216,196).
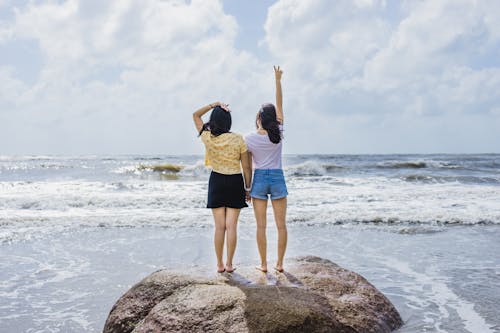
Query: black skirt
(226,191)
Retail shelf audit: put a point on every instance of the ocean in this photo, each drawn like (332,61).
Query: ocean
(77,231)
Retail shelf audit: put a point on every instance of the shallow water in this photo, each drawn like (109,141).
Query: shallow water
(77,231)
(447,281)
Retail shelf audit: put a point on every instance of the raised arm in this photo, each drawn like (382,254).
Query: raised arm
(279,94)
(198,122)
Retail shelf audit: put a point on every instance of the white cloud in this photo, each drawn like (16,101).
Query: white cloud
(5,32)
(325,40)
(436,35)
(10,87)
(431,58)
(323,46)
(163,59)
(124,76)
(348,47)
(349,58)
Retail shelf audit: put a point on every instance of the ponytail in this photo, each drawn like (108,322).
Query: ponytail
(270,123)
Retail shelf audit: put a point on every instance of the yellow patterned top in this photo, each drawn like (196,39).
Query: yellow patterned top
(223,152)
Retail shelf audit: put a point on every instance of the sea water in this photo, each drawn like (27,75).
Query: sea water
(77,231)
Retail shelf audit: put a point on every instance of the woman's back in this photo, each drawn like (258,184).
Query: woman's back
(266,155)
(223,152)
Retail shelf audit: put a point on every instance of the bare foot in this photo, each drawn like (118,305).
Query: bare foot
(220,269)
(262,268)
(230,268)
(279,269)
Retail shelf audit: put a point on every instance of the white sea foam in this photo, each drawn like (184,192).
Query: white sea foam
(128,169)
(312,168)
(31,209)
(434,289)
(196,170)
(47,194)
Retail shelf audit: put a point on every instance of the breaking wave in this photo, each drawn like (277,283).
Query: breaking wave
(403,165)
(423,178)
(312,168)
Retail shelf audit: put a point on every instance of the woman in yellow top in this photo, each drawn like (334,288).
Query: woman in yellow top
(226,153)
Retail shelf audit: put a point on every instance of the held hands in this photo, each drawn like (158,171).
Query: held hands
(223,106)
(277,73)
(247,196)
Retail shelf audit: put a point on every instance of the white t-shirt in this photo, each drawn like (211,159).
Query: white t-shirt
(265,154)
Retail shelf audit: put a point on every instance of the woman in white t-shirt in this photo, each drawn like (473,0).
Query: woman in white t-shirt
(265,148)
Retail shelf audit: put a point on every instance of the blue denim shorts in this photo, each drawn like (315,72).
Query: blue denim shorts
(268,182)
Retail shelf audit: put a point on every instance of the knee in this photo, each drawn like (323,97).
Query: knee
(281,227)
(220,228)
(230,228)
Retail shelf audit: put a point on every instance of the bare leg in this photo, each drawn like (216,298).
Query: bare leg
(220,230)
(231,235)
(259,209)
(279,208)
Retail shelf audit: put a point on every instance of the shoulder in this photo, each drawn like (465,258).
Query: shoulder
(250,136)
(235,136)
(239,141)
(206,136)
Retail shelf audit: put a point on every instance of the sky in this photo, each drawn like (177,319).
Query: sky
(360,76)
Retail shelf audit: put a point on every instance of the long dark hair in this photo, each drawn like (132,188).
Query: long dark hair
(219,122)
(269,122)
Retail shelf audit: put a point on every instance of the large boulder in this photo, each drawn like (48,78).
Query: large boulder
(313,295)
